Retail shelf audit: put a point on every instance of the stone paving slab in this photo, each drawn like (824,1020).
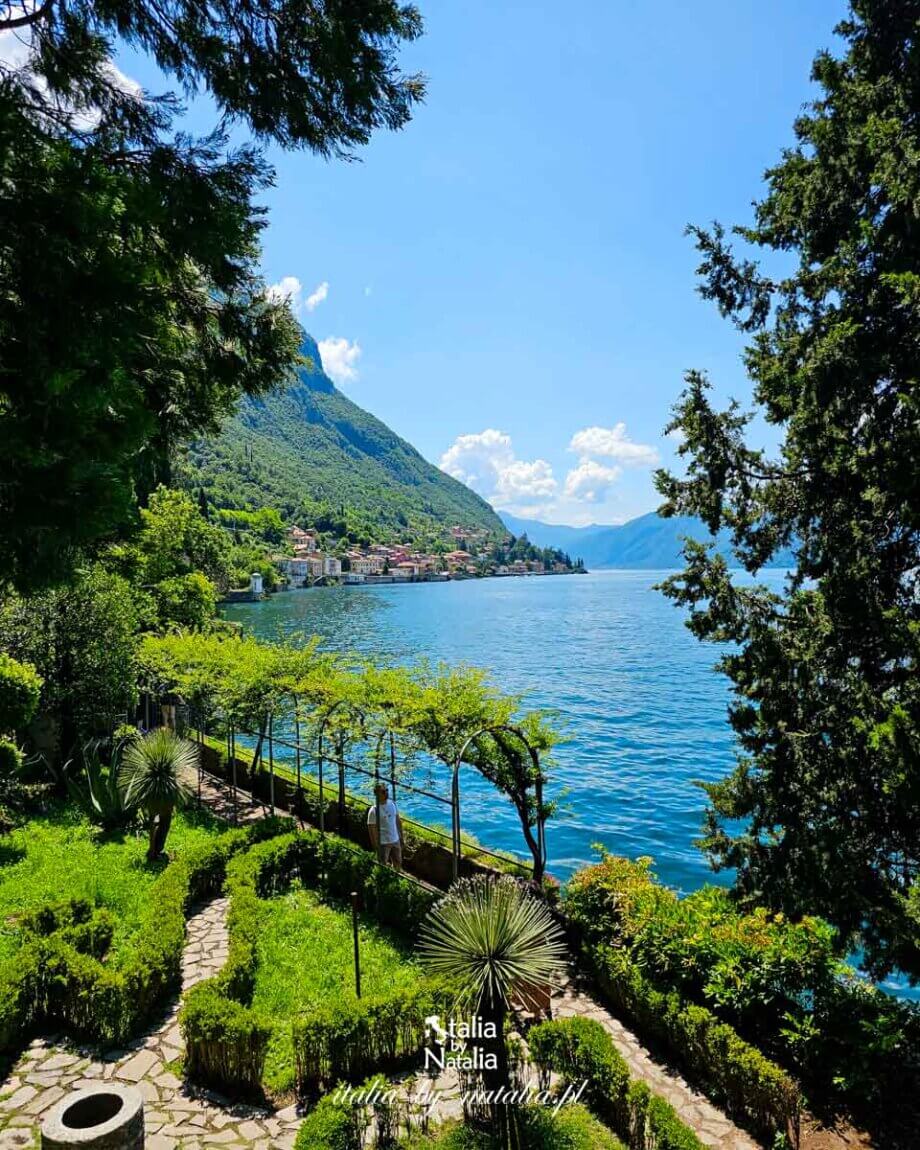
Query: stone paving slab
(712,1126)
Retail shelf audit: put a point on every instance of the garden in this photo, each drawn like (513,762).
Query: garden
(106,855)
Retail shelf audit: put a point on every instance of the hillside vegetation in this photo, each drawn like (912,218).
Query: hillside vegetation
(310,452)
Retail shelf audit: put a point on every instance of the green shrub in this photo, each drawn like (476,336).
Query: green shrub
(330,1125)
(225,1041)
(734,1074)
(755,969)
(11,758)
(351,1039)
(571,1128)
(227,1047)
(581,1050)
(779,983)
(20,691)
(57,977)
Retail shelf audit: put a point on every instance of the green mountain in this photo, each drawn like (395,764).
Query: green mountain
(316,456)
(648,542)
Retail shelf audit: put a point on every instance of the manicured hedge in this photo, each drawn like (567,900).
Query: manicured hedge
(57,977)
(581,1050)
(330,1125)
(226,1041)
(779,982)
(572,1128)
(352,1039)
(756,1092)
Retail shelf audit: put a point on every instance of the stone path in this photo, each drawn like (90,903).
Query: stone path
(217,796)
(711,1126)
(177,1116)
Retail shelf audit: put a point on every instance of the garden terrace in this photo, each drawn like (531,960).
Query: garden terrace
(99,960)
(58,856)
(745,1003)
(237,1037)
(305,967)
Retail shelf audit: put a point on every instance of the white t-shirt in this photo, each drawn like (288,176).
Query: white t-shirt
(388,831)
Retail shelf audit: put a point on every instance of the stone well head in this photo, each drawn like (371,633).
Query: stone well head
(105,1116)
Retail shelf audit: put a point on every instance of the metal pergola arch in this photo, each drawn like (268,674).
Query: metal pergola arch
(322,759)
(540,855)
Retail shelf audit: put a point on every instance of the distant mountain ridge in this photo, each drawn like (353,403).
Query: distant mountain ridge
(307,446)
(648,542)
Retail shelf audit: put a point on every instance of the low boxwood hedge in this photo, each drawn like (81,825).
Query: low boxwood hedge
(581,1051)
(58,976)
(226,1040)
(756,1092)
(779,982)
(571,1128)
(330,1125)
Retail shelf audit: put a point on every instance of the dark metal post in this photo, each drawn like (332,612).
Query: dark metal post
(233,771)
(377,802)
(271,765)
(340,755)
(455,818)
(393,765)
(354,927)
(297,741)
(322,801)
(200,741)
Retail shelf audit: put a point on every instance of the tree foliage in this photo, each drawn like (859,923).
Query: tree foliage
(132,311)
(825,674)
(20,691)
(81,640)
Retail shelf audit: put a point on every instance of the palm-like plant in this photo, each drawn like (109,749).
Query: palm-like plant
(154,775)
(99,793)
(492,941)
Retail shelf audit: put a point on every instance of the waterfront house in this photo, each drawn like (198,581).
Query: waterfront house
(302,540)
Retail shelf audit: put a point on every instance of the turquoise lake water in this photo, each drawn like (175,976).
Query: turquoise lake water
(643,710)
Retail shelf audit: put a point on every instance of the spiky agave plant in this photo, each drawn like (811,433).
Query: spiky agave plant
(154,776)
(492,940)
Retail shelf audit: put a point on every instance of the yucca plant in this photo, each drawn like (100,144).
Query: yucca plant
(492,941)
(155,776)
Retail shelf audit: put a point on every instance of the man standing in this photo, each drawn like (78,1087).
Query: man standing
(388,844)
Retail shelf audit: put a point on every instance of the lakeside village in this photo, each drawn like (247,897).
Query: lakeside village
(475,555)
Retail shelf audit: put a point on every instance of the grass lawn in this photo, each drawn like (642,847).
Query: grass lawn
(59,855)
(306,959)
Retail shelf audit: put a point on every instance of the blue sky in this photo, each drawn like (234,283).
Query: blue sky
(507,281)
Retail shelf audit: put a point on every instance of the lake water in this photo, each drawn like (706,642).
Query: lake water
(643,711)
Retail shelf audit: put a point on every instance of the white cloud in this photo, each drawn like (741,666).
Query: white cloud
(15,49)
(486,462)
(522,480)
(340,358)
(315,298)
(289,288)
(17,56)
(613,443)
(590,480)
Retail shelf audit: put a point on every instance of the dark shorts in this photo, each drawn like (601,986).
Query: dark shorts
(391,853)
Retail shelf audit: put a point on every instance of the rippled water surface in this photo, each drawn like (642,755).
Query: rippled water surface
(643,710)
